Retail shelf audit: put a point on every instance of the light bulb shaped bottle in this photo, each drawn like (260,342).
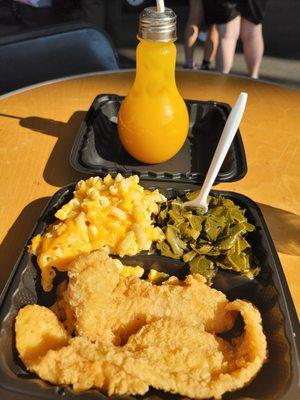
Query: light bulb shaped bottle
(153,119)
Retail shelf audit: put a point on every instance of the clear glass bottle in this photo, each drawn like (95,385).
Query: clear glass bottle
(153,119)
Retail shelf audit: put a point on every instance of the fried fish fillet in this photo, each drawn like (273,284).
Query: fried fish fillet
(38,330)
(110,308)
(166,354)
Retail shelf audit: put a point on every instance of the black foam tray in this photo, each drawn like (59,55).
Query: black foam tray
(97,148)
(278,378)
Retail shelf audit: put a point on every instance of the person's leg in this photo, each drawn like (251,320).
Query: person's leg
(253,46)
(192,31)
(210,46)
(228,36)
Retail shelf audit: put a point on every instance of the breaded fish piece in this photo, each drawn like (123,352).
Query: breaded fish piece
(62,309)
(166,354)
(37,329)
(110,308)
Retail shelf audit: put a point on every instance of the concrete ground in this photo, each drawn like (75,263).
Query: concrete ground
(274,69)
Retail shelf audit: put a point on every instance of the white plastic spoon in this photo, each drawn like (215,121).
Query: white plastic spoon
(229,131)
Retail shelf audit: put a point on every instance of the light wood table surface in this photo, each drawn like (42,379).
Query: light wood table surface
(38,127)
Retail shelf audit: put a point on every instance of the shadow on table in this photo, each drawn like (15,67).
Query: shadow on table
(16,237)
(58,171)
(284,227)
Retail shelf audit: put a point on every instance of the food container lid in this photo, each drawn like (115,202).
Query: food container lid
(97,149)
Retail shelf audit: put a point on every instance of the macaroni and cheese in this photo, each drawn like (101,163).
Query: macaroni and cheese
(103,212)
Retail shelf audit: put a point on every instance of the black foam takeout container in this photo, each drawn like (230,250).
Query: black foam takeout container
(97,148)
(278,378)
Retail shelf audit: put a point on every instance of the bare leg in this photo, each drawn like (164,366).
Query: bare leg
(210,45)
(192,30)
(253,46)
(228,36)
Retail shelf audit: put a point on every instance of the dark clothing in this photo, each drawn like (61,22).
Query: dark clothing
(222,11)
(32,17)
(95,12)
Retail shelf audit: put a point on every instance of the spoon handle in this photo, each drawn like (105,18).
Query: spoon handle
(229,131)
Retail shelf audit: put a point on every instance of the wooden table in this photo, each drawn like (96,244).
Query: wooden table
(38,126)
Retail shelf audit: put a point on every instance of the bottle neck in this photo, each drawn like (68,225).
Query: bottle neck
(155,63)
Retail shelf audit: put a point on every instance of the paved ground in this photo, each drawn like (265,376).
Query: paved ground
(283,71)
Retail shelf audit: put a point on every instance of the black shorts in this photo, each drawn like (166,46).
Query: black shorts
(222,11)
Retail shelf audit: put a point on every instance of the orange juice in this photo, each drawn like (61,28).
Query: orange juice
(153,119)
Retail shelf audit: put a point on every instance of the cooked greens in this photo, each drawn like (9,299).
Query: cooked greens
(207,241)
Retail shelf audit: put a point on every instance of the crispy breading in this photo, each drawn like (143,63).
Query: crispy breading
(62,309)
(133,335)
(166,354)
(110,308)
(37,331)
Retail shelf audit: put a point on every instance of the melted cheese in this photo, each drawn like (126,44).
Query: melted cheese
(103,212)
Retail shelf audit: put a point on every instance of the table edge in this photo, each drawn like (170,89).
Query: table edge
(120,71)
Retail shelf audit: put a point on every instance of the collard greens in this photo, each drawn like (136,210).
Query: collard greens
(207,241)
